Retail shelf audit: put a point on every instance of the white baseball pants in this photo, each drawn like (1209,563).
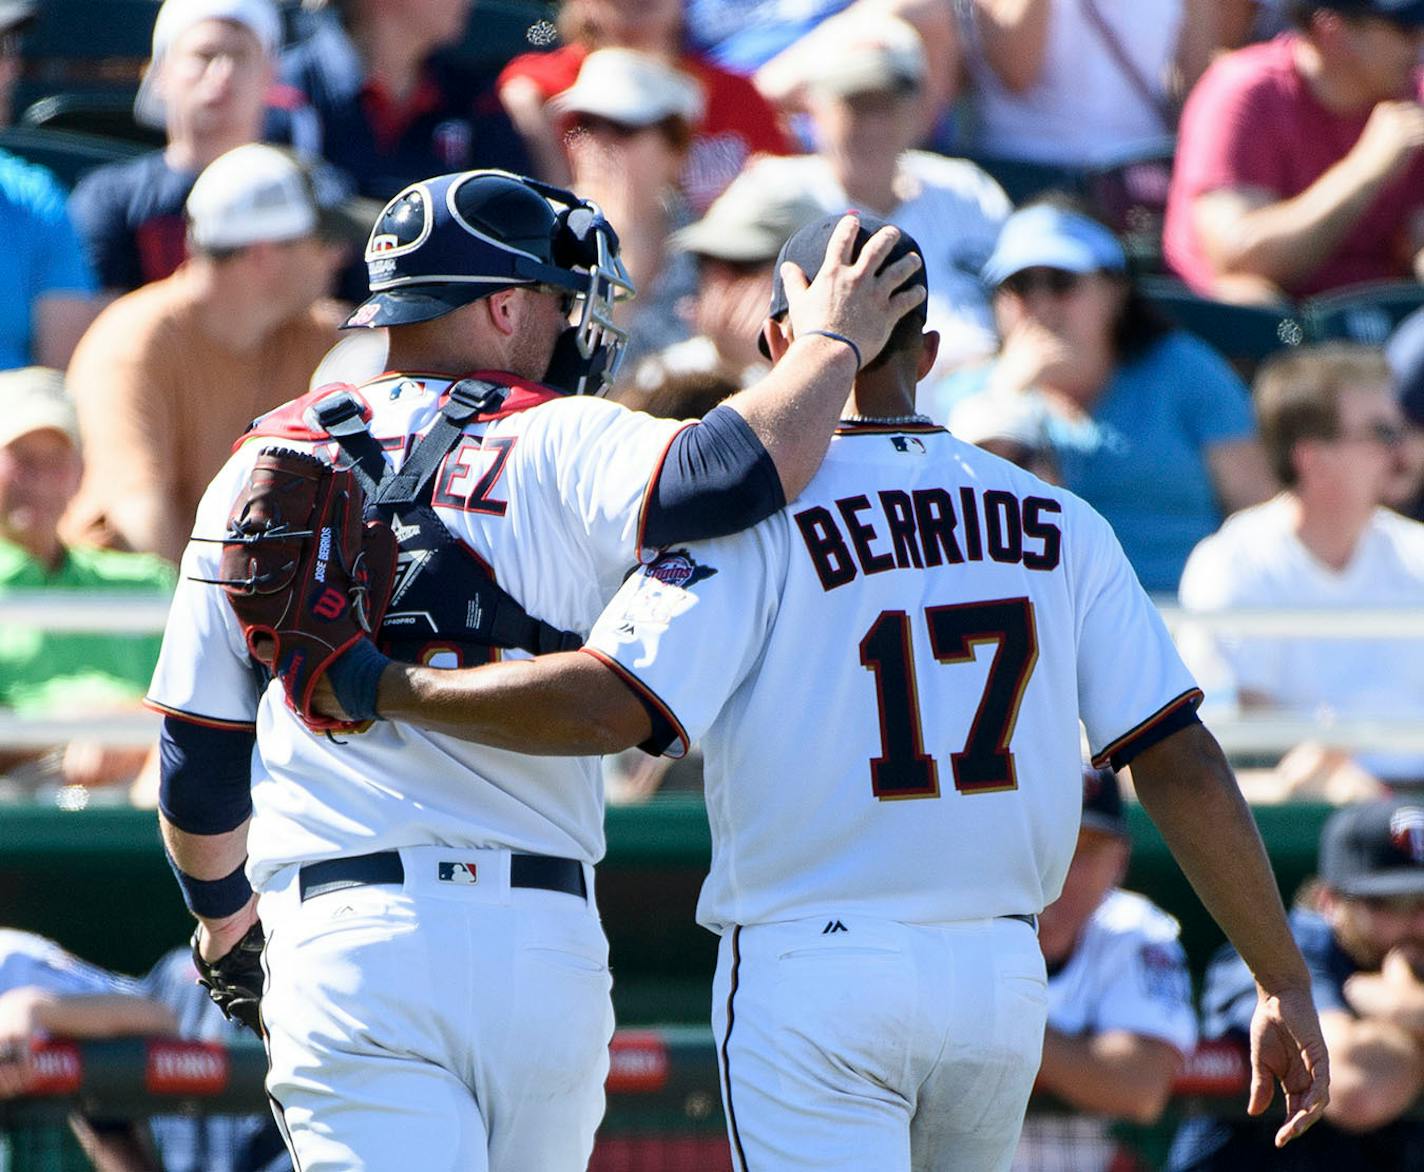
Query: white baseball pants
(438,1024)
(858,1043)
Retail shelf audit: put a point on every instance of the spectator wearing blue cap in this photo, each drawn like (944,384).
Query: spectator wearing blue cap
(1361,930)
(1148,424)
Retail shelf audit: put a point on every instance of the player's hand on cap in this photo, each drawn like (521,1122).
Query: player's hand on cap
(855,298)
(1288,1047)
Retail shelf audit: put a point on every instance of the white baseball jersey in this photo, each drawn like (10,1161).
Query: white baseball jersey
(550,497)
(1127,972)
(887,677)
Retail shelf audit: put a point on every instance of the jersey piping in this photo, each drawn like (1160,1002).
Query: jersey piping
(666,728)
(196,718)
(1166,720)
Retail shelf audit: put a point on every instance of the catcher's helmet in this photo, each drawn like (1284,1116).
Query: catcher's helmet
(445,242)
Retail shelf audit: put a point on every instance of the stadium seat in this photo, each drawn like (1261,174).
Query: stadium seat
(109,115)
(86,46)
(1245,334)
(68,154)
(1131,193)
(1361,313)
(1022,181)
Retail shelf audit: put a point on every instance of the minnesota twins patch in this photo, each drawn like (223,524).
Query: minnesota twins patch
(678,568)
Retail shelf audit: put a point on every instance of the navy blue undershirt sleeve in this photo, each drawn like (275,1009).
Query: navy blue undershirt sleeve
(205,779)
(717,479)
(1175,722)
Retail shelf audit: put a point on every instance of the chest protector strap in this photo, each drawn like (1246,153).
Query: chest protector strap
(444,597)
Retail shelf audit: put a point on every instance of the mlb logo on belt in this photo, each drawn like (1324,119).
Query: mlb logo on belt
(458,873)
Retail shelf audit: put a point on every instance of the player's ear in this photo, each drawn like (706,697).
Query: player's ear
(777,334)
(929,351)
(503,309)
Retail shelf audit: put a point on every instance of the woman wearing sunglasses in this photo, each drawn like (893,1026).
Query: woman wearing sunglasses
(1146,423)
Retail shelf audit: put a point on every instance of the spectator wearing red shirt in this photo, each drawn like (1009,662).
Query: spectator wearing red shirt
(1298,162)
(736,121)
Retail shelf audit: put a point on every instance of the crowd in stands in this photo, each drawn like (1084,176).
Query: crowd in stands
(1109,193)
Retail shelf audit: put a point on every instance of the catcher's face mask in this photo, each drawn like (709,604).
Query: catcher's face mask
(445,242)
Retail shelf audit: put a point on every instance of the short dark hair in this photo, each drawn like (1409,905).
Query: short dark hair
(904,339)
(1297,395)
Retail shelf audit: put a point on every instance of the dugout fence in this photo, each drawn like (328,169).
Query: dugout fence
(664,1105)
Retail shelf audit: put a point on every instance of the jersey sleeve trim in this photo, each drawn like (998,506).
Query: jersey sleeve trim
(1175,715)
(651,489)
(195,718)
(667,729)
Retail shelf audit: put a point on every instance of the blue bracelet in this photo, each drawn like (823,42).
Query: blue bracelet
(841,338)
(355,678)
(214,899)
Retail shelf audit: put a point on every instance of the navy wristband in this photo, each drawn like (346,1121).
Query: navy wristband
(854,349)
(214,899)
(355,678)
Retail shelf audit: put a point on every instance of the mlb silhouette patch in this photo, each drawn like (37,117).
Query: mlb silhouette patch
(458,873)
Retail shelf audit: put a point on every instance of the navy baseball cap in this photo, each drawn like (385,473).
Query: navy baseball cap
(1374,849)
(806,249)
(1102,802)
(447,241)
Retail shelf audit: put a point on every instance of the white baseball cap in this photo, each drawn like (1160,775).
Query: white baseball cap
(256,193)
(754,217)
(636,89)
(33,398)
(884,53)
(176,17)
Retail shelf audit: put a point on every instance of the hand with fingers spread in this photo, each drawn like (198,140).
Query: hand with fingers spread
(1287,1047)
(856,296)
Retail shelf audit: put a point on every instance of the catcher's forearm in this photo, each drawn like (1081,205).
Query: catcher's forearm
(565,705)
(1188,789)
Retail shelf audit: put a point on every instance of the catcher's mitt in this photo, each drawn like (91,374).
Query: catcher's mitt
(305,574)
(234,980)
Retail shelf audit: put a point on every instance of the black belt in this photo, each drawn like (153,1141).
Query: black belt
(539,871)
(1031,921)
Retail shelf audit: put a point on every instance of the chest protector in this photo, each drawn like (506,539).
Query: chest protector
(445,599)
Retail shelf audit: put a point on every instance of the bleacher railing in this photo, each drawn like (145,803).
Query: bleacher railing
(1256,735)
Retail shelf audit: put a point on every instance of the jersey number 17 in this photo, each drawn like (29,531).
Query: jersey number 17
(985,764)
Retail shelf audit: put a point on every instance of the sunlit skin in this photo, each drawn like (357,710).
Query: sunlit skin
(214,81)
(1359,466)
(1059,340)
(652,26)
(731,304)
(39,475)
(1382,58)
